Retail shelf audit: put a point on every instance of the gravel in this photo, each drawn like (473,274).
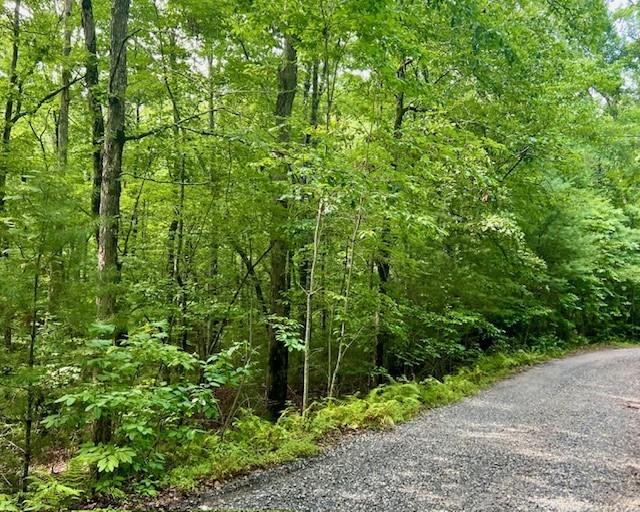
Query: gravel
(563,436)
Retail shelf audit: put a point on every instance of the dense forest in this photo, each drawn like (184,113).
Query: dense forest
(215,211)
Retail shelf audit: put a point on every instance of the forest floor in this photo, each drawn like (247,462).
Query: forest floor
(563,436)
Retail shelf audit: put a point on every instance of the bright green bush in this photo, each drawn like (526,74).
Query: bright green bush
(150,410)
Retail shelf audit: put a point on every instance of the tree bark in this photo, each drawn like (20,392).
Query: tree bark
(95,108)
(8,335)
(212,320)
(108,266)
(7,315)
(29,411)
(114,140)
(348,268)
(309,303)
(63,119)
(278,366)
(304,265)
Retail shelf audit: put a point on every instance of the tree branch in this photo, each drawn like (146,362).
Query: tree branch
(44,99)
(164,127)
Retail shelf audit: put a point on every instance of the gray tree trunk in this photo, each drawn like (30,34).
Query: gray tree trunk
(114,140)
(383,263)
(63,120)
(278,353)
(62,139)
(8,313)
(95,108)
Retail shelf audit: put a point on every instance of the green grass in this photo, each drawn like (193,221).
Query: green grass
(256,443)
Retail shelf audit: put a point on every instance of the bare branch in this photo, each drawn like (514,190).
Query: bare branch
(44,99)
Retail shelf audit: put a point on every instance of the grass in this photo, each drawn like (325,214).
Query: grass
(256,443)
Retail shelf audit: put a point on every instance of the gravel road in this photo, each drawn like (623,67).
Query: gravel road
(563,436)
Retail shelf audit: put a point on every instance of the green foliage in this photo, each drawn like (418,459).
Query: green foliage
(8,503)
(150,409)
(253,442)
(287,332)
(49,495)
(478,164)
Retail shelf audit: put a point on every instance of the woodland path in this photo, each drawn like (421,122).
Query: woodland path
(563,436)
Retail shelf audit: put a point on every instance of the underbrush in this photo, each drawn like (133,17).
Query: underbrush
(252,442)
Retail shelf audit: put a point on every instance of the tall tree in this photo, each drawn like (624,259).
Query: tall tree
(62,144)
(278,365)
(63,115)
(95,106)
(114,141)
(108,264)
(9,113)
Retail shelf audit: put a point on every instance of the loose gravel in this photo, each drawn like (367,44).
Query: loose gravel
(563,436)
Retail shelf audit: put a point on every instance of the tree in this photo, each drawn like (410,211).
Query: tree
(114,140)
(278,351)
(110,187)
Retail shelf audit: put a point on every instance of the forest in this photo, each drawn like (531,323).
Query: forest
(232,228)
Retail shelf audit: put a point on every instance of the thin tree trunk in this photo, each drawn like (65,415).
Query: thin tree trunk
(95,108)
(8,120)
(28,422)
(63,120)
(212,322)
(62,139)
(304,265)
(7,315)
(315,100)
(278,353)
(177,257)
(342,347)
(8,335)
(383,264)
(171,292)
(308,319)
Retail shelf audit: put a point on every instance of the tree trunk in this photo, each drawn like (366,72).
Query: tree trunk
(7,315)
(304,265)
(177,271)
(8,335)
(28,416)
(383,336)
(309,311)
(95,108)
(62,139)
(383,264)
(278,352)
(108,266)
(63,119)
(8,120)
(212,320)
(348,271)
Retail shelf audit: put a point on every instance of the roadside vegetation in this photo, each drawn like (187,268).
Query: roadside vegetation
(232,230)
(251,442)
